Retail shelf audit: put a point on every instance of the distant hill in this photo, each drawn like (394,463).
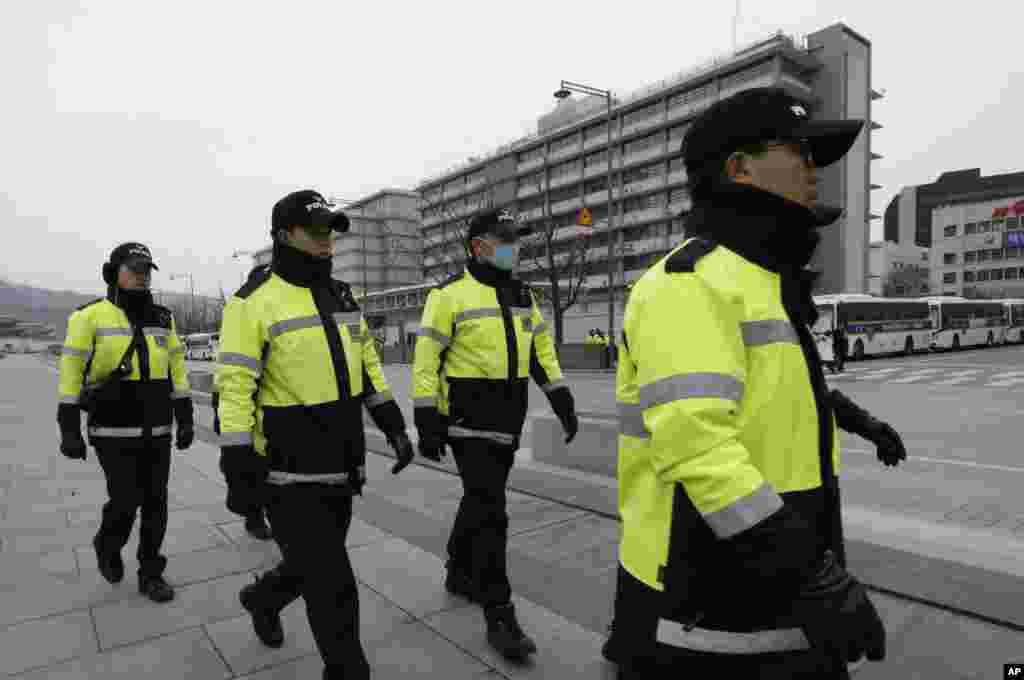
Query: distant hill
(51,307)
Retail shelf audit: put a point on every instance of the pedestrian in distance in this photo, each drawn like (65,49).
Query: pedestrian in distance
(296,369)
(124,365)
(732,557)
(482,337)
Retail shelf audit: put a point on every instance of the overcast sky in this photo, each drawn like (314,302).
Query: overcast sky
(179,124)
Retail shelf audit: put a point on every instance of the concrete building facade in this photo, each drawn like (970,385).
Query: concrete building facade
(978,248)
(898,270)
(548,177)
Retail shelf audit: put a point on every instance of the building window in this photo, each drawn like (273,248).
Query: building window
(676,165)
(997,225)
(949,277)
(677,196)
(596,131)
(678,131)
(677,226)
(642,173)
(531,155)
(971,228)
(1010,273)
(1012,222)
(596,184)
(997,274)
(949,258)
(997,253)
(644,143)
(983,256)
(983,275)
(563,143)
(1012,253)
(642,114)
(595,159)
(970,257)
(949,231)
(569,168)
(984,227)
(968,276)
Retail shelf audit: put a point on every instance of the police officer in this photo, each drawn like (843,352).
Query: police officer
(731,554)
(839,346)
(295,371)
(255,521)
(481,338)
(129,419)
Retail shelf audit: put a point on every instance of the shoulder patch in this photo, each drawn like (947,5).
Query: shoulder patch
(257,277)
(685,259)
(451,279)
(163,315)
(90,303)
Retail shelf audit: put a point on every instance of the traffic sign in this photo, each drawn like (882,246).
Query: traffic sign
(585,219)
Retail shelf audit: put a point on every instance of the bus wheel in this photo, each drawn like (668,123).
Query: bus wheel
(956,342)
(991,339)
(858,350)
(908,346)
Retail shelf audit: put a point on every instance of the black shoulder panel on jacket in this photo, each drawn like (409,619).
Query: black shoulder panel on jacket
(685,259)
(90,303)
(163,315)
(257,277)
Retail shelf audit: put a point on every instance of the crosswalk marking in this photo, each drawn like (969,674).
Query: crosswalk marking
(1008,382)
(959,377)
(877,373)
(921,374)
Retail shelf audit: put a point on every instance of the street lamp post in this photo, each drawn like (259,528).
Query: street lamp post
(192,293)
(564,90)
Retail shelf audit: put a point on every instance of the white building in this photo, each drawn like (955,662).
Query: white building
(977,248)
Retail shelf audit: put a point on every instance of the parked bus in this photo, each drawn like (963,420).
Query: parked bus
(959,322)
(202,346)
(875,325)
(1014,320)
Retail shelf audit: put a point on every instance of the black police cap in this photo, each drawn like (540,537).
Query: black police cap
(498,223)
(307,208)
(764,114)
(134,255)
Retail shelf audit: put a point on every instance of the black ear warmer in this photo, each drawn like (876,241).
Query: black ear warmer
(109,273)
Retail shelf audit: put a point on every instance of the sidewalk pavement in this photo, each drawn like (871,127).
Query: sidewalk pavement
(59,619)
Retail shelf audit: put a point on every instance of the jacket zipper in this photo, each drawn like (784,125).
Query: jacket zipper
(510,338)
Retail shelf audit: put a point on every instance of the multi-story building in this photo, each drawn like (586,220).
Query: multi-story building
(978,248)
(908,217)
(383,247)
(549,176)
(898,270)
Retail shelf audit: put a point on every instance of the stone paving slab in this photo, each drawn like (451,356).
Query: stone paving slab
(46,641)
(186,654)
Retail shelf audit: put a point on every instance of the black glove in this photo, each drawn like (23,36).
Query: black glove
(564,407)
(856,420)
(246,474)
(889,446)
(403,449)
(69,419)
(837,616)
(186,435)
(430,425)
(215,403)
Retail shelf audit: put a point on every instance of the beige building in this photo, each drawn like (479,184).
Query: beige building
(549,176)
(383,247)
(978,248)
(898,270)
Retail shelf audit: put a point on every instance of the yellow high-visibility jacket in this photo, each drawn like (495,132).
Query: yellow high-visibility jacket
(296,367)
(97,337)
(479,342)
(719,422)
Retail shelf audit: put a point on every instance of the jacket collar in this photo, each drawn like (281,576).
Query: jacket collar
(133,303)
(762,227)
(489,275)
(299,268)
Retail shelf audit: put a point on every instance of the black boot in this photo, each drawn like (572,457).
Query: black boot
(156,588)
(110,564)
(504,633)
(458,582)
(266,620)
(257,527)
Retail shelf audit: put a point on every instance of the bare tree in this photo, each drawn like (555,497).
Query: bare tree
(561,256)
(906,282)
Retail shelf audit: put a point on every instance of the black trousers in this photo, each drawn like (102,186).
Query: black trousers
(479,538)
(637,609)
(310,524)
(137,475)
